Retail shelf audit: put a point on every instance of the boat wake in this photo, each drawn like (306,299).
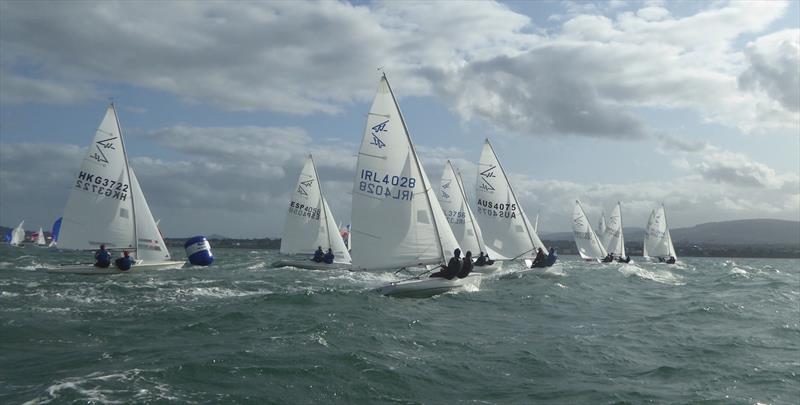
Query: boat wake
(657,275)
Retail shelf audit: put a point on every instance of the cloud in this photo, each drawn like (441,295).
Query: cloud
(737,169)
(774,67)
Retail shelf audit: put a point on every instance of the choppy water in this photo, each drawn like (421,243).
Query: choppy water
(709,330)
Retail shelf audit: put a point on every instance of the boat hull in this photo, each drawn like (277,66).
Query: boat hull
(311,265)
(88,269)
(427,287)
(491,268)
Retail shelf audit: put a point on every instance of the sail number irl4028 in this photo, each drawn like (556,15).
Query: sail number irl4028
(386,186)
(102,186)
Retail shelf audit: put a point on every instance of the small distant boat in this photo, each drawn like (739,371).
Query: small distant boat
(506,229)
(657,240)
(310,224)
(54,233)
(107,206)
(397,220)
(40,240)
(17,235)
(589,246)
(461,219)
(613,236)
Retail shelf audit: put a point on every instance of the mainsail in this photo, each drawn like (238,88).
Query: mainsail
(54,232)
(589,246)
(506,228)
(657,240)
(40,241)
(613,237)
(458,213)
(397,220)
(309,220)
(17,235)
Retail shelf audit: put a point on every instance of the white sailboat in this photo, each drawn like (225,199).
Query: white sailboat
(310,224)
(601,229)
(397,221)
(40,240)
(18,235)
(459,215)
(657,240)
(506,229)
(614,238)
(589,246)
(107,206)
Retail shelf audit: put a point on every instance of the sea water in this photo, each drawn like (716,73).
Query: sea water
(709,330)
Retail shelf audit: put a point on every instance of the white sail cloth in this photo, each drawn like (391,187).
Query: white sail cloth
(589,246)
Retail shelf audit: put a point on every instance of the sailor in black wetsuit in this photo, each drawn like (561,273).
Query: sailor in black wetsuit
(453,266)
(319,256)
(481,261)
(538,261)
(466,265)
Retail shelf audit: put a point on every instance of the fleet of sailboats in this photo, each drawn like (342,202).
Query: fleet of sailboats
(398,222)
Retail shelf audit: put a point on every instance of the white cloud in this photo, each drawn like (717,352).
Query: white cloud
(774,67)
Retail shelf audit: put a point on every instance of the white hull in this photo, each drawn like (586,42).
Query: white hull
(496,266)
(427,287)
(88,269)
(310,264)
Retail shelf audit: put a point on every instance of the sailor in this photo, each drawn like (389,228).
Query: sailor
(539,259)
(319,256)
(328,258)
(102,257)
(124,263)
(609,258)
(481,261)
(466,265)
(625,259)
(671,260)
(551,257)
(453,266)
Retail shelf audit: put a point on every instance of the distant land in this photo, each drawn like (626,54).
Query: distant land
(741,238)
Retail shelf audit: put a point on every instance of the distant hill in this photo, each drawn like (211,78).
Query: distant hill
(746,231)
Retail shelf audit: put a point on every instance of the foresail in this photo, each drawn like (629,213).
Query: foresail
(601,230)
(588,244)
(334,239)
(151,246)
(505,228)
(392,212)
(457,212)
(99,209)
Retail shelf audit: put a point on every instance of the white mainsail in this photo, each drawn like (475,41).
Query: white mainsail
(309,220)
(657,240)
(396,218)
(40,240)
(100,205)
(601,229)
(506,228)
(614,239)
(17,235)
(589,246)
(458,213)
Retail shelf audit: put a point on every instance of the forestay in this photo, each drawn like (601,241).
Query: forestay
(396,219)
(589,246)
(506,228)
(100,205)
(309,220)
(614,239)
(657,239)
(458,213)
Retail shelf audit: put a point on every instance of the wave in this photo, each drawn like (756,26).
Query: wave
(657,275)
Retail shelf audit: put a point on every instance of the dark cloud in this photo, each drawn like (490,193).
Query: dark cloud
(774,67)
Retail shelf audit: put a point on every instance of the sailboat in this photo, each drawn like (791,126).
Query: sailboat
(601,229)
(54,233)
(460,217)
(40,241)
(614,238)
(106,206)
(310,223)
(397,221)
(657,240)
(18,235)
(589,246)
(506,229)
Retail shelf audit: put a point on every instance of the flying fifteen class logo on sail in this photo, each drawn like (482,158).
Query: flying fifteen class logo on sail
(375,130)
(301,189)
(100,145)
(485,185)
(444,187)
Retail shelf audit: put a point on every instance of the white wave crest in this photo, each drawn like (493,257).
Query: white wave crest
(657,275)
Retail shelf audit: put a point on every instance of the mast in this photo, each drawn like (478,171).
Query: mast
(322,199)
(128,173)
(425,188)
(459,181)
(521,212)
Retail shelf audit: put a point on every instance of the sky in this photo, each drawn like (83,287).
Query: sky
(695,105)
